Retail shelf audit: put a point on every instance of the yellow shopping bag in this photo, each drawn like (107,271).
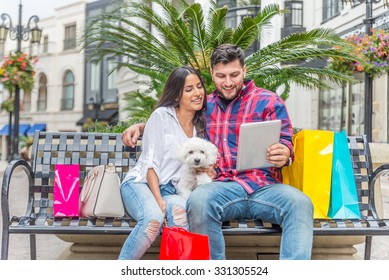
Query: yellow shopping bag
(311,170)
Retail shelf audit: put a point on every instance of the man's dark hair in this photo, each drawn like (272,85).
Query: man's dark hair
(226,53)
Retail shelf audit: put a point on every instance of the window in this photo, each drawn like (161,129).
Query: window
(295,17)
(70,37)
(95,76)
(42,93)
(45,48)
(354,3)
(112,73)
(229,3)
(26,101)
(342,108)
(331,8)
(67,101)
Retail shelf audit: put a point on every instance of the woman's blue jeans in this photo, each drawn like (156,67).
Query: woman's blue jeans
(211,204)
(142,206)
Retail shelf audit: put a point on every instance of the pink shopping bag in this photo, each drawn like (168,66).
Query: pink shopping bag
(66,190)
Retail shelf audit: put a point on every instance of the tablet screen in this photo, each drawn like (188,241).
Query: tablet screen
(254,139)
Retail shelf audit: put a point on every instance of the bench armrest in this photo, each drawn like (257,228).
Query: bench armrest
(379,171)
(6,184)
(376,175)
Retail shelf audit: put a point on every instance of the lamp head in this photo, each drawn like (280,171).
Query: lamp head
(36,35)
(3,33)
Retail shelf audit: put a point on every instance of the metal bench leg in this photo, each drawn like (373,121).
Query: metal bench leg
(5,244)
(33,246)
(368,242)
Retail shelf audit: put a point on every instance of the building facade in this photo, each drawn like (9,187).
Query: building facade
(70,88)
(56,101)
(100,100)
(342,107)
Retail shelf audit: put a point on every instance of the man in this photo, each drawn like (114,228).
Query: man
(252,194)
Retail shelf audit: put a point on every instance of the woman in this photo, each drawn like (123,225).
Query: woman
(148,193)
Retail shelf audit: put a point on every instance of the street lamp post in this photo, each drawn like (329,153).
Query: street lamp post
(18,33)
(368,79)
(94,105)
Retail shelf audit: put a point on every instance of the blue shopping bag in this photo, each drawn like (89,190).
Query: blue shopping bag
(344,198)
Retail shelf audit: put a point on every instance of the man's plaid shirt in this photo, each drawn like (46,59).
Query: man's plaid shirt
(252,104)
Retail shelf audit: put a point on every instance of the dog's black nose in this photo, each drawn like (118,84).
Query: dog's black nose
(197,160)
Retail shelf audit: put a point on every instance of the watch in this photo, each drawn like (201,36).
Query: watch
(289,161)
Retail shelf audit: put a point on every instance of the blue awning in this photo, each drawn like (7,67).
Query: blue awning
(4,130)
(22,129)
(35,127)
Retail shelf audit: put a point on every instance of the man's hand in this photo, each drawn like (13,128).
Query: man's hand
(131,134)
(278,154)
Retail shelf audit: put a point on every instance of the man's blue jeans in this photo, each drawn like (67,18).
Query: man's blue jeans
(211,204)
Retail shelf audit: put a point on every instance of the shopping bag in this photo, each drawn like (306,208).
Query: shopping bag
(179,244)
(344,198)
(66,190)
(311,170)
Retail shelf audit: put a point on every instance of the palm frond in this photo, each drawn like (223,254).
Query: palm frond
(249,29)
(139,105)
(267,13)
(246,33)
(195,19)
(185,34)
(310,78)
(302,47)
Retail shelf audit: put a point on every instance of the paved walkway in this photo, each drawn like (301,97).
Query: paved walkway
(49,247)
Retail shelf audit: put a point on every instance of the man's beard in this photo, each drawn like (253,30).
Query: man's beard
(230,96)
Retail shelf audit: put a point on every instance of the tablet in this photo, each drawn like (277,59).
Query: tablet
(254,139)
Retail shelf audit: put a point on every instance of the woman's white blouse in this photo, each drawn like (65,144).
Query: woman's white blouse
(161,136)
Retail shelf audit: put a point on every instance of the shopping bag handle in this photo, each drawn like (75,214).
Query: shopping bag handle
(180,229)
(180,242)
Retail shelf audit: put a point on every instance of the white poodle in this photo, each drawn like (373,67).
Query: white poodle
(194,153)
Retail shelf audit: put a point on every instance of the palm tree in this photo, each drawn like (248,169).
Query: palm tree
(186,34)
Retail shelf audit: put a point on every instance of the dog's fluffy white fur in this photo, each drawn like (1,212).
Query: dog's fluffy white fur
(194,153)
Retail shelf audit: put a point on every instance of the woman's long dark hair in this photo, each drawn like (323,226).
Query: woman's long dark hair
(172,94)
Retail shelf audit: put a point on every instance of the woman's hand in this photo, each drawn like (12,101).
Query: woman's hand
(132,133)
(210,170)
(162,204)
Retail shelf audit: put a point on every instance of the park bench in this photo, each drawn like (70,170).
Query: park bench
(91,149)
